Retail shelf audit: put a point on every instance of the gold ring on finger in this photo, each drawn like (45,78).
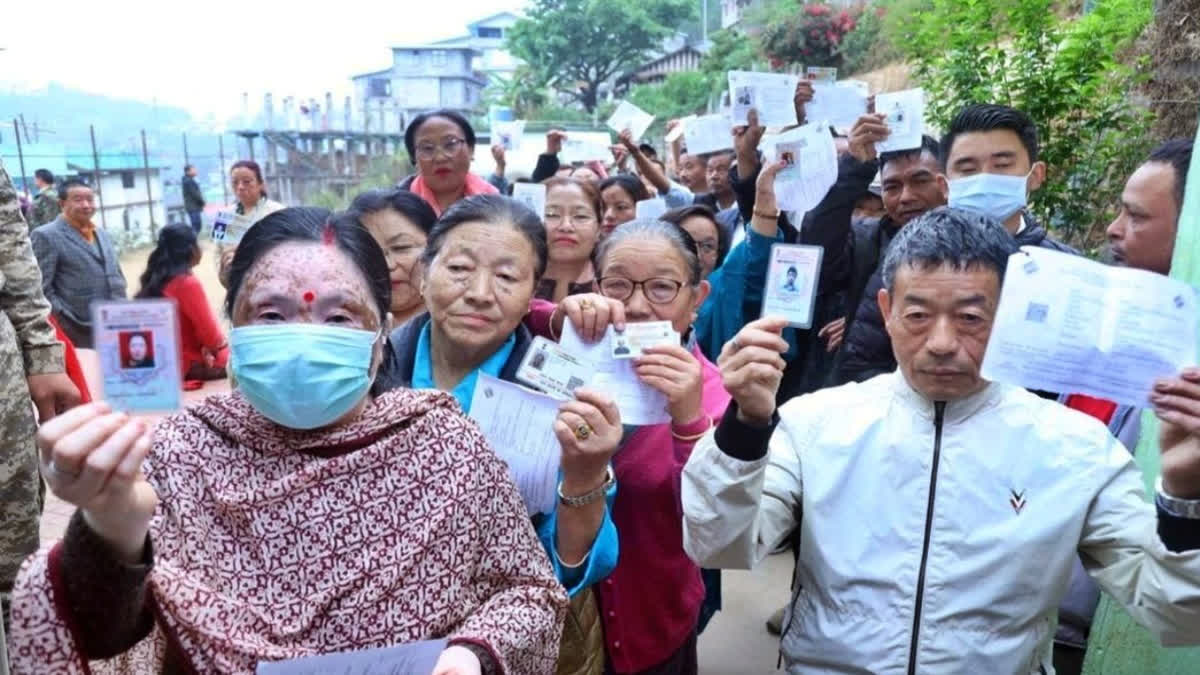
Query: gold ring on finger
(583,432)
(585,304)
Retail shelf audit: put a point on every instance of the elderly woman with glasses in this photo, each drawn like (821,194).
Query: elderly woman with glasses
(442,144)
(650,270)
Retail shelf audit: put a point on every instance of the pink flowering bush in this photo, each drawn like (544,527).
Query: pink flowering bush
(810,34)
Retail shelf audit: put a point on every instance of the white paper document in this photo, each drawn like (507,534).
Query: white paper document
(792,277)
(839,104)
(651,208)
(532,195)
(905,112)
(1070,325)
(811,170)
(676,131)
(708,133)
(583,146)
(519,425)
(639,403)
(629,116)
(771,94)
(508,134)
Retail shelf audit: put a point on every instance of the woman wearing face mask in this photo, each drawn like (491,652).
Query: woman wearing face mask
(442,144)
(280,521)
(649,271)
(400,222)
(168,274)
(619,196)
(481,265)
(252,206)
(572,229)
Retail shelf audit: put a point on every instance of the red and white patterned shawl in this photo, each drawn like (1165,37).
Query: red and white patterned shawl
(271,543)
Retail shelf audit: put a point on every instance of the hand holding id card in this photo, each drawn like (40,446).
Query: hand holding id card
(553,369)
(138,345)
(792,283)
(629,343)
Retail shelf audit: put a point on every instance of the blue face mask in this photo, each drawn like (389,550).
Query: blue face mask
(992,194)
(302,375)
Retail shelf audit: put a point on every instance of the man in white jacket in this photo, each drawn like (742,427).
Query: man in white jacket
(939,514)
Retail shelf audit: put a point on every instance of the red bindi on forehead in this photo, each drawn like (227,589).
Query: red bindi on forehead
(309,296)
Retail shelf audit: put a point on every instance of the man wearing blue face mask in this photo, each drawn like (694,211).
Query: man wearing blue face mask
(990,155)
(990,158)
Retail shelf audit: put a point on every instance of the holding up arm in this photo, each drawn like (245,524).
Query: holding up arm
(497,178)
(649,169)
(742,482)
(547,164)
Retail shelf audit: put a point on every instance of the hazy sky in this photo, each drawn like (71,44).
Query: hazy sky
(202,54)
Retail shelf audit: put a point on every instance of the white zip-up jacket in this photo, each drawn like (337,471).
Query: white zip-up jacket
(936,538)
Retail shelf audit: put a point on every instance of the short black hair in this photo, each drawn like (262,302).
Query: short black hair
(410,134)
(64,188)
(315,225)
(724,238)
(45,176)
(632,185)
(186,167)
(928,144)
(494,210)
(989,117)
(399,200)
(948,236)
(1178,153)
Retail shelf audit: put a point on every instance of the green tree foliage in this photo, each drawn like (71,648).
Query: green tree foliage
(1063,71)
(804,34)
(576,45)
(523,90)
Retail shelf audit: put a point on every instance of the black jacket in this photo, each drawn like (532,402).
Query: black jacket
(867,350)
(827,226)
(193,198)
(398,372)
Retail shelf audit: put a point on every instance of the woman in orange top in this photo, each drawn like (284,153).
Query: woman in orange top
(204,352)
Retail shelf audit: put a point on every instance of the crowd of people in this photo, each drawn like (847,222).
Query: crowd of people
(340,498)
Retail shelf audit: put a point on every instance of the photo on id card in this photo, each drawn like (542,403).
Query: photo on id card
(791,288)
(629,343)
(552,369)
(138,345)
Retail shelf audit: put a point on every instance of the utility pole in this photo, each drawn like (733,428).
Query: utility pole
(96,166)
(149,191)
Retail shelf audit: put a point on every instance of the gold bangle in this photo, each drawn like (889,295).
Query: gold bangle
(760,214)
(695,437)
(552,335)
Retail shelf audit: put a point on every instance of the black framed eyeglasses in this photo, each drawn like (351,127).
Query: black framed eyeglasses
(658,290)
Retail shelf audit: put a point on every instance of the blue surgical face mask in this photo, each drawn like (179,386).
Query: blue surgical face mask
(302,375)
(992,194)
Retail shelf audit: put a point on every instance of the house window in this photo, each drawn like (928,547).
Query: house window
(379,87)
(127,180)
(489,32)
(438,58)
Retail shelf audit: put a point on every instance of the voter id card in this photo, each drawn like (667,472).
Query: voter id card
(138,345)
(552,369)
(629,343)
(221,225)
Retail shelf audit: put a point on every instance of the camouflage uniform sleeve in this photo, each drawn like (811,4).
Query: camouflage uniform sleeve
(21,297)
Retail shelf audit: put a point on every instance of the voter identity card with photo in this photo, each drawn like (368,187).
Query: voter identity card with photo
(792,283)
(532,195)
(820,74)
(553,369)
(221,225)
(138,345)
(629,343)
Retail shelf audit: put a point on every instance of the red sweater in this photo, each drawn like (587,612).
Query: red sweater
(197,325)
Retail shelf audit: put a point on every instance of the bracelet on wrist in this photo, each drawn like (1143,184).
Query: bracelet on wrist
(690,438)
(576,501)
(768,216)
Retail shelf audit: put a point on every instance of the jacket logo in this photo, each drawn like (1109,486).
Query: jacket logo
(1016,500)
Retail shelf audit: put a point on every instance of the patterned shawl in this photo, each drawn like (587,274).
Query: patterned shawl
(271,544)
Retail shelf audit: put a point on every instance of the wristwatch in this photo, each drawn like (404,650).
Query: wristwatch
(1180,508)
(588,497)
